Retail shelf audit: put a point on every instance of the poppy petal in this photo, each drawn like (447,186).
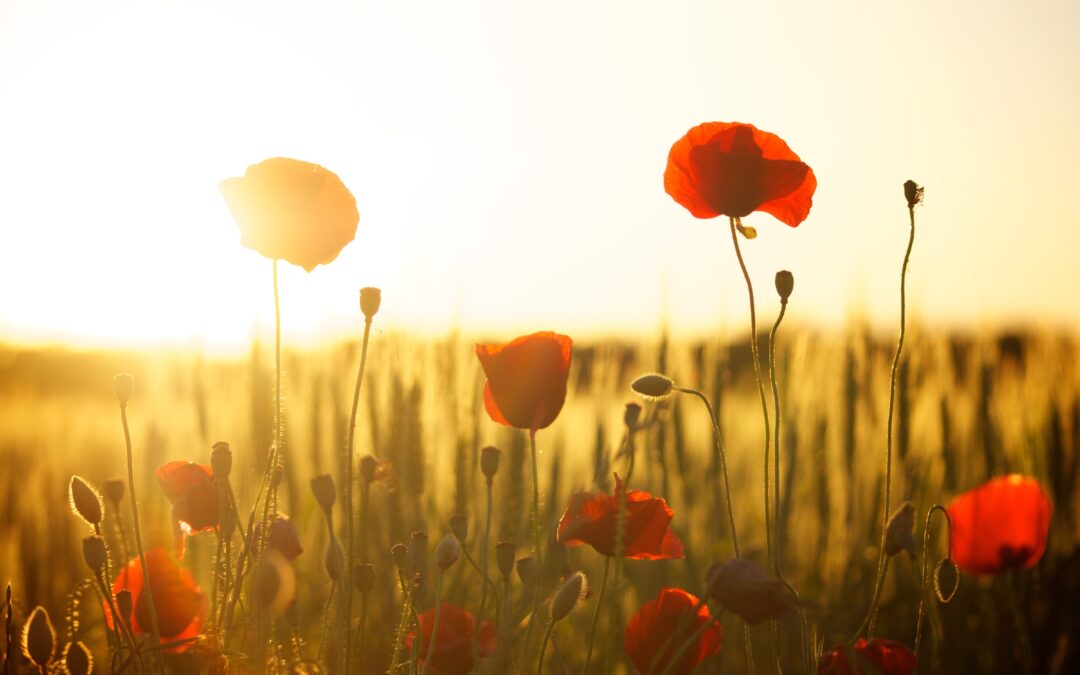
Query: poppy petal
(1000,525)
(651,633)
(526,379)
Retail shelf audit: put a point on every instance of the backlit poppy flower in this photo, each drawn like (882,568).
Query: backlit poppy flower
(878,656)
(591,518)
(284,536)
(193,492)
(526,379)
(293,210)
(180,604)
(453,645)
(1000,525)
(659,628)
(744,588)
(733,169)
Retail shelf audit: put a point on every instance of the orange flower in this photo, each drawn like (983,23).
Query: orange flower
(733,169)
(590,518)
(453,647)
(526,379)
(293,210)
(193,492)
(876,656)
(1000,525)
(179,603)
(656,632)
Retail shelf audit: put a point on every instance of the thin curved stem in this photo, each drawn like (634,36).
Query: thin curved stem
(543,647)
(347,466)
(925,575)
(596,615)
(889,425)
(484,543)
(435,626)
(777,537)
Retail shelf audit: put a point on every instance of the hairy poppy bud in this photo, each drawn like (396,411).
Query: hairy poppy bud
(400,554)
(364,577)
(526,570)
(418,550)
(913,192)
(284,537)
(85,501)
(653,385)
(77,659)
(459,525)
(325,492)
(946,580)
(370,300)
(447,552)
(899,532)
(124,384)
(785,283)
(504,557)
(39,638)
(114,490)
(94,553)
(489,462)
(221,460)
(334,559)
(567,596)
(632,415)
(747,231)
(124,604)
(228,522)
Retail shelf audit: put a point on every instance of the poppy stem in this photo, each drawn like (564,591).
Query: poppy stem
(925,575)
(760,385)
(1020,625)
(148,589)
(595,616)
(484,543)
(777,537)
(880,579)
(543,646)
(326,619)
(435,625)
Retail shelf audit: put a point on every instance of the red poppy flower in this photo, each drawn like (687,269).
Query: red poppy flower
(193,492)
(1000,525)
(284,536)
(453,645)
(734,169)
(526,379)
(876,656)
(590,518)
(658,629)
(180,604)
(293,210)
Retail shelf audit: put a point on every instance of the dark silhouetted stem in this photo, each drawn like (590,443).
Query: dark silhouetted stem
(925,575)
(543,647)
(348,477)
(595,616)
(435,625)
(777,537)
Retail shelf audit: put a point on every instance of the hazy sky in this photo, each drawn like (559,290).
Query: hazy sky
(507,161)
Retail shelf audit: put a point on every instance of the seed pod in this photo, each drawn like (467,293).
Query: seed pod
(334,559)
(632,415)
(85,501)
(913,193)
(39,638)
(370,301)
(504,557)
(653,385)
(221,460)
(567,596)
(459,525)
(526,570)
(325,492)
(124,604)
(77,659)
(489,462)
(899,532)
(364,577)
(124,385)
(785,284)
(94,554)
(400,554)
(113,490)
(447,552)
(418,550)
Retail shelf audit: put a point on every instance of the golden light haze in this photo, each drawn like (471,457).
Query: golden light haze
(507,162)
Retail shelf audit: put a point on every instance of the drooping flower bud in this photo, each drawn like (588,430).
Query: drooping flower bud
(85,501)
(113,490)
(504,557)
(489,462)
(899,534)
(229,521)
(785,284)
(567,596)
(913,192)
(418,544)
(459,525)
(447,552)
(284,537)
(221,460)
(77,659)
(631,416)
(946,580)
(124,384)
(653,385)
(370,301)
(364,577)
(39,638)
(94,554)
(325,492)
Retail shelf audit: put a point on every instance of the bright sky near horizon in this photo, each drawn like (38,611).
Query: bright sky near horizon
(507,161)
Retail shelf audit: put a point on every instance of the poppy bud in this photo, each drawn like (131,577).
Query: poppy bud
(114,490)
(77,659)
(418,550)
(39,638)
(228,522)
(632,415)
(746,230)
(653,385)
(504,557)
(913,192)
(221,460)
(85,501)
(567,596)
(785,283)
(325,492)
(400,554)
(898,533)
(370,300)
(447,552)
(946,580)
(459,525)
(94,553)
(368,468)
(364,577)
(124,384)
(489,462)
(124,604)
(526,570)
(334,559)
(284,537)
